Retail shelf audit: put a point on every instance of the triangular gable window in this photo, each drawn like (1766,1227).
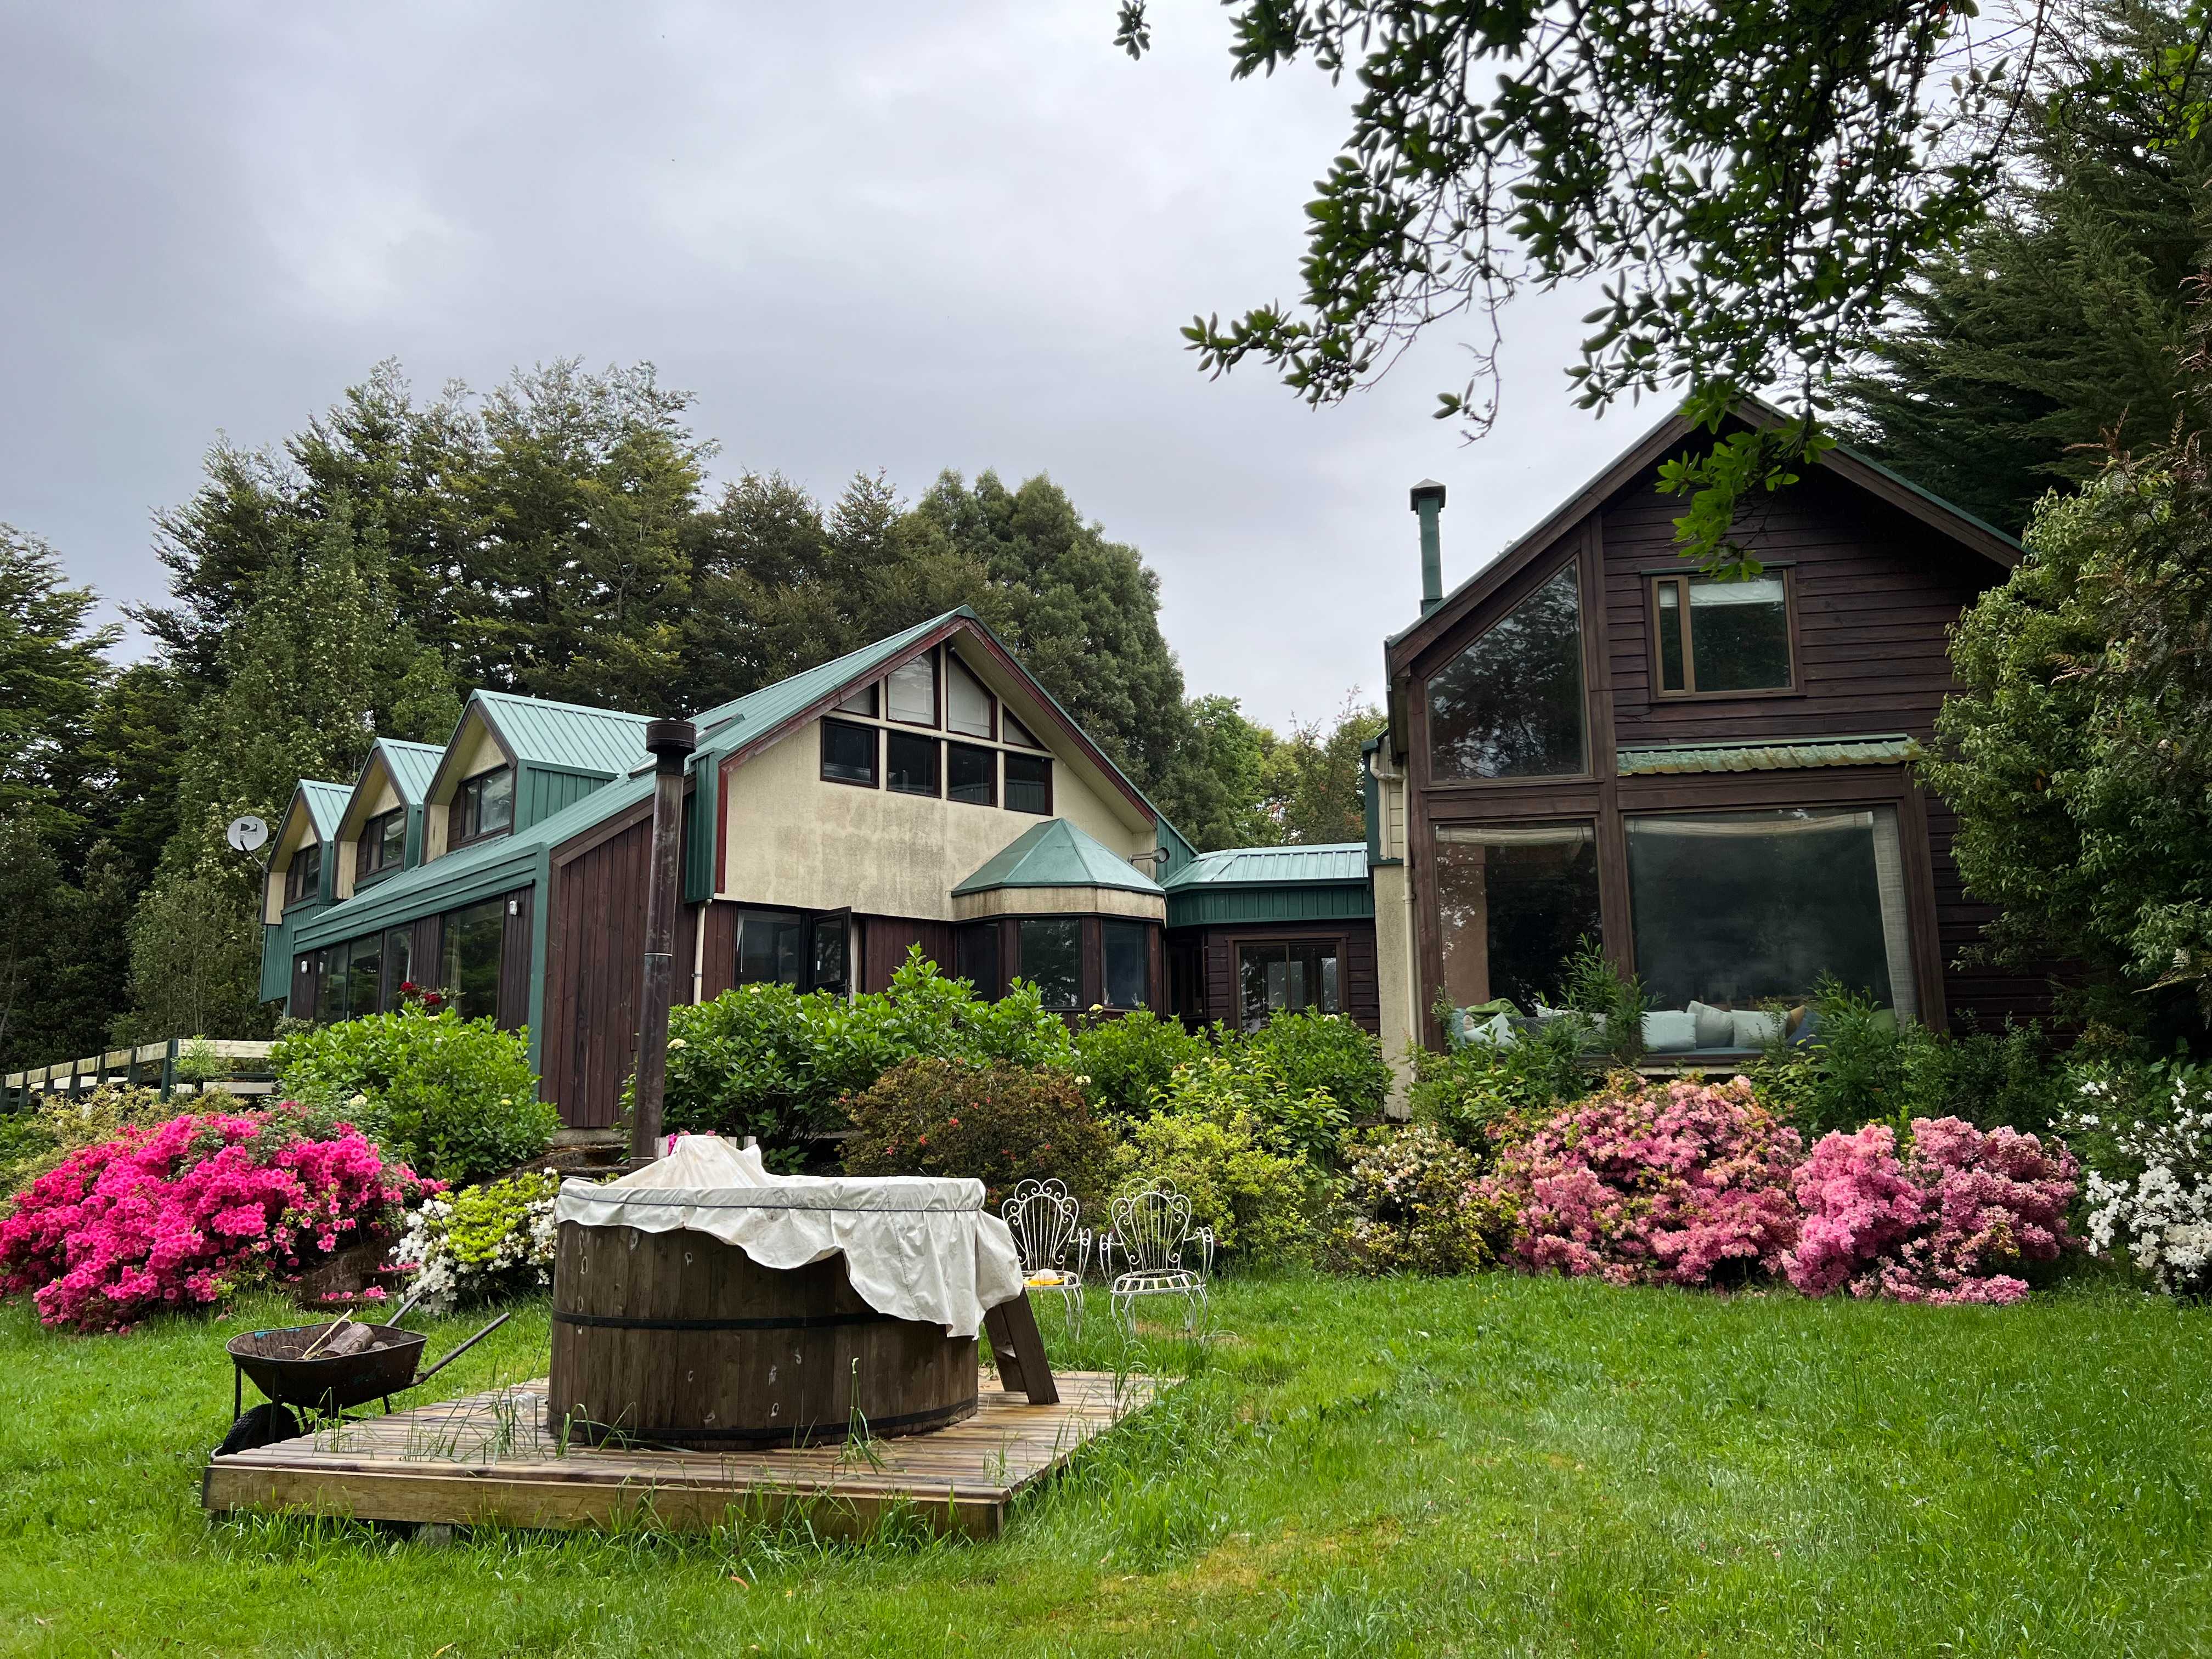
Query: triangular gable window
(1016,732)
(1510,705)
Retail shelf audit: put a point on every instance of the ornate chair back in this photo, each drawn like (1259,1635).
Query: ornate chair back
(1043,1216)
(1150,1227)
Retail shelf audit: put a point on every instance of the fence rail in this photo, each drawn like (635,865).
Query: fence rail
(152,1065)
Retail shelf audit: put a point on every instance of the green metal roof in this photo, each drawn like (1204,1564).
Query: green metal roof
(326,805)
(1758,755)
(412,765)
(730,723)
(1273,866)
(1056,854)
(566,735)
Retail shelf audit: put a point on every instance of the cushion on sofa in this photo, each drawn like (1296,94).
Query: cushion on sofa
(1755,1028)
(1716,1026)
(1670,1030)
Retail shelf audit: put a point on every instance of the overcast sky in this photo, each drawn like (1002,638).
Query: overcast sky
(898,236)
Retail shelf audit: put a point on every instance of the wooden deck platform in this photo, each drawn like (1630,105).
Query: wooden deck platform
(486,1458)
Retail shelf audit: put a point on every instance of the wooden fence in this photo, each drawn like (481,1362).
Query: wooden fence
(150,1065)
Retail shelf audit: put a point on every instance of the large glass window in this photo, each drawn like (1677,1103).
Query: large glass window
(1127,946)
(832,951)
(771,948)
(967,704)
(303,877)
(913,687)
(487,803)
(910,763)
(470,978)
(1292,975)
(1028,784)
(1729,636)
(1734,909)
(971,774)
(383,844)
(399,965)
(331,988)
(1512,903)
(849,753)
(1510,705)
(1051,959)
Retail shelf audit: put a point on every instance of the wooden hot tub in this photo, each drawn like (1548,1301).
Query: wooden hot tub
(679,1339)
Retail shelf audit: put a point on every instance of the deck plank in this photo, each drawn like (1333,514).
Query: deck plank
(488,1458)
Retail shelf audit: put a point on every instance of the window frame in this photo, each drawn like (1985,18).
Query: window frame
(1143,930)
(1589,650)
(296,890)
(1021,969)
(936,721)
(1689,693)
(1006,787)
(875,778)
(934,744)
(465,826)
(1334,946)
(990,754)
(950,666)
(373,834)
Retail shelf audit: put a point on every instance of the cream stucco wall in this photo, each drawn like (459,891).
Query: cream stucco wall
(1396,981)
(473,750)
(796,840)
(1060,901)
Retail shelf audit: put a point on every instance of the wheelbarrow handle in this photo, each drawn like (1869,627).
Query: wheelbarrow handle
(463,1349)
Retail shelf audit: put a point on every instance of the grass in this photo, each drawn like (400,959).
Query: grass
(1496,1465)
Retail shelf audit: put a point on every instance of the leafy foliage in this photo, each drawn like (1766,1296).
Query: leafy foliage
(482,1242)
(2145,1134)
(1314,1053)
(1411,1207)
(1239,1089)
(34,1141)
(455,1098)
(1258,1202)
(1123,1063)
(1470,1088)
(763,1060)
(998,1124)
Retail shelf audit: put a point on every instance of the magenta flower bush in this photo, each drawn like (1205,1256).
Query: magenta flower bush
(1677,1184)
(1937,1226)
(180,1213)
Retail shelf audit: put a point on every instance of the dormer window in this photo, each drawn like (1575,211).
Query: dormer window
(383,844)
(303,877)
(484,806)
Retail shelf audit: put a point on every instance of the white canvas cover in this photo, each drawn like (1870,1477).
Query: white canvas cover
(916,1247)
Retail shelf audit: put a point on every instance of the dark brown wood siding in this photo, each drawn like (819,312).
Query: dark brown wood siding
(885,941)
(426,955)
(514,953)
(719,966)
(1361,991)
(594,958)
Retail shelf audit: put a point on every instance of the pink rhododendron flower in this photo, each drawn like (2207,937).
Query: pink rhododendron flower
(181,1212)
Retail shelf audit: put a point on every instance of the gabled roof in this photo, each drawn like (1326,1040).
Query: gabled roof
(1273,866)
(565,735)
(412,765)
(325,802)
(1961,526)
(1056,854)
(772,704)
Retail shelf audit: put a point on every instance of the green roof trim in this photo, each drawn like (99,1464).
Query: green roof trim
(326,805)
(1757,754)
(412,765)
(1056,854)
(566,735)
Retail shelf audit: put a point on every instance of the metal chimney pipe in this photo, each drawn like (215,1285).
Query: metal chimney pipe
(1427,498)
(671,743)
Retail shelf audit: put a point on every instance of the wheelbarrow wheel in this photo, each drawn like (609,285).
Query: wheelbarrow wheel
(264,1426)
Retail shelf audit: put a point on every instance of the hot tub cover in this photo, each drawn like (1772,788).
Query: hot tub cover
(916,1247)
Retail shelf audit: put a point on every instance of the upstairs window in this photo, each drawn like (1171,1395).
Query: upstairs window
(303,877)
(967,707)
(910,763)
(1028,784)
(1718,636)
(1510,705)
(971,774)
(1014,731)
(383,844)
(862,702)
(913,687)
(484,806)
(849,753)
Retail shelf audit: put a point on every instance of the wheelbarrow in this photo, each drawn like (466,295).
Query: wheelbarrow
(328,1383)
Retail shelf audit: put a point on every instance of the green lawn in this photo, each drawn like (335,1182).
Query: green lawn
(1491,1465)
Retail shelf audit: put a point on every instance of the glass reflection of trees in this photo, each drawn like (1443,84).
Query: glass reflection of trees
(1510,705)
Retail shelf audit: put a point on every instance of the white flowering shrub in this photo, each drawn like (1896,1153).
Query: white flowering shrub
(482,1242)
(2148,1195)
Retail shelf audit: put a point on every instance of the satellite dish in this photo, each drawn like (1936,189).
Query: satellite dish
(248,834)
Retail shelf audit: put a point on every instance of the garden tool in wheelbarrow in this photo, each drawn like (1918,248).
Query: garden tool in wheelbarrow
(301,1366)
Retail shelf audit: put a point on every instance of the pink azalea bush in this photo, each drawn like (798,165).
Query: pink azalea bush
(181,1212)
(1937,1224)
(1676,1184)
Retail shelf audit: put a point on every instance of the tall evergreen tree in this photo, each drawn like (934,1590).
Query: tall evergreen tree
(52,668)
(2059,319)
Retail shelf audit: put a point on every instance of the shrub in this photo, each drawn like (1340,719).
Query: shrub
(2147,1139)
(1615,1004)
(1257,1202)
(1936,1226)
(198,1062)
(482,1241)
(1315,1053)
(1226,1086)
(762,1061)
(1122,1063)
(1686,1183)
(183,1213)
(1000,1124)
(1412,1206)
(34,1141)
(455,1098)
(1472,1087)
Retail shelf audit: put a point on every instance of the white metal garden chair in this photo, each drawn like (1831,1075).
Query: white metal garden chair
(1153,1230)
(1044,1218)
